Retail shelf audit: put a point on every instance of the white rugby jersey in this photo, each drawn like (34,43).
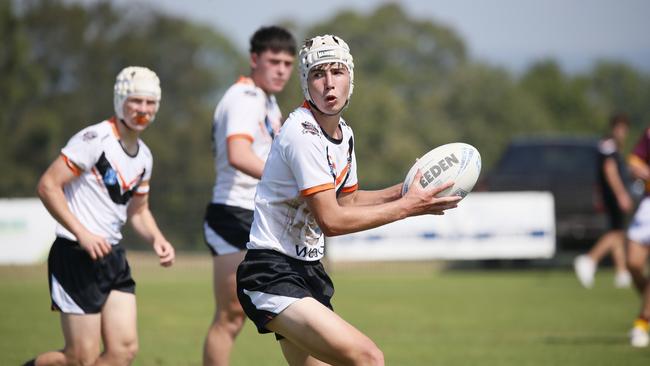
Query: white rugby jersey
(303,161)
(107,179)
(244,111)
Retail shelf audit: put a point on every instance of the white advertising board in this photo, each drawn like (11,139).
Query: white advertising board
(26,231)
(485,225)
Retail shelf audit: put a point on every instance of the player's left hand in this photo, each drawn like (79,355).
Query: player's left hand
(165,252)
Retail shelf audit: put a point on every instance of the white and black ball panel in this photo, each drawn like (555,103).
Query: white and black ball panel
(458,162)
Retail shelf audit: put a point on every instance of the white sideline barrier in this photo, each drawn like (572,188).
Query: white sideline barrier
(485,225)
(26,231)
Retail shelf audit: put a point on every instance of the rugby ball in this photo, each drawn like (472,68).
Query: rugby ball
(458,162)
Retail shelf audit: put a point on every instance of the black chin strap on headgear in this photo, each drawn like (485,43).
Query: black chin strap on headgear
(125,125)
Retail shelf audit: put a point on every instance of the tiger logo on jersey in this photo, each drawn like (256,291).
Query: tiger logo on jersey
(309,128)
(89,135)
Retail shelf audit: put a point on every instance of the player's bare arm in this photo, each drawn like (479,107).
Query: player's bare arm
(614,180)
(365,198)
(335,219)
(50,191)
(145,225)
(242,157)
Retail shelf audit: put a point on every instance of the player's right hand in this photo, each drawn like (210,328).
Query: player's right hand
(425,202)
(625,203)
(96,246)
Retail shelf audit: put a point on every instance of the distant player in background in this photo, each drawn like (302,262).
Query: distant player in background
(639,240)
(100,180)
(245,122)
(309,188)
(613,179)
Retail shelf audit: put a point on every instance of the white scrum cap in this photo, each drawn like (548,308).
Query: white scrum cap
(321,50)
(135,81)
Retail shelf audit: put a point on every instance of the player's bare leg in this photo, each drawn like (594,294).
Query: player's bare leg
(637,255)
(229,316)
(298,356)
(326,336)
(119,329)
(82,335)
(618,251)
(645,303)
(606,244)
(612,242)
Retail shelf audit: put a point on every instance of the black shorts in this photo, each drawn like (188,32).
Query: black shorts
(615,215)
(226,228)
(268,282)
(79,285)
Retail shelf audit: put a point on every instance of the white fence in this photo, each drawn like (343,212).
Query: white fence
(508,225)
(26,231)
(504,225)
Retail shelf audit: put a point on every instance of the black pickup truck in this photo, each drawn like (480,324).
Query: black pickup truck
(567,167)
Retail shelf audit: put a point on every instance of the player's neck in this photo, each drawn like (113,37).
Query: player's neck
(128,137)
(258,83)
(329,123)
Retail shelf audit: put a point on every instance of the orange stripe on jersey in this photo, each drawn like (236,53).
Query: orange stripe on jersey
(240,136)
(125,186)
(306,104)
(75,169)
(316,189)
(113,121)
(342,175)
(97,176)
(143,185)
(134,181)
(350,189)
(245,80)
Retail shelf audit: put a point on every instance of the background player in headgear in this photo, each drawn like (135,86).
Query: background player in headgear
(245,122)
(100,180)
(309,188)
(613,181)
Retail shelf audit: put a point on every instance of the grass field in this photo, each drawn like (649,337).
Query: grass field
(418,313)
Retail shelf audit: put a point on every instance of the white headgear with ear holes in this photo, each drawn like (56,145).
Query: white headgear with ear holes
(320,50)
(135,81)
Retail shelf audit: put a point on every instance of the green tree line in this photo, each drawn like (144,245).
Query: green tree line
(415,88)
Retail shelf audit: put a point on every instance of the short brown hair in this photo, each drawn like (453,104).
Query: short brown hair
(274,38)
(618,118)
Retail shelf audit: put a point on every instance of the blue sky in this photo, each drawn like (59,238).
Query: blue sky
(508,33)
